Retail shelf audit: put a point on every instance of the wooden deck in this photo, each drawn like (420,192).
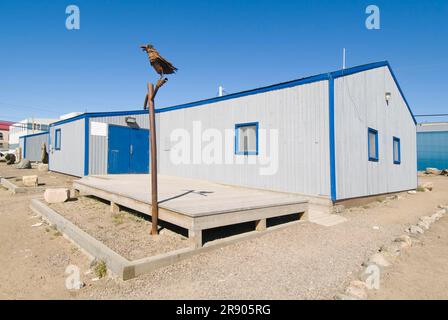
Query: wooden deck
(193,204)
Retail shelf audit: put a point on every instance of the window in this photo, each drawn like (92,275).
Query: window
(397,150)
(1,135)
(246,138)
(373,144)
(57,139)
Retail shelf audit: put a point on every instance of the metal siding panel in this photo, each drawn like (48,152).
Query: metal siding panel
(300,114)
(98,145)
(70,159)
(359,104)
(33,146)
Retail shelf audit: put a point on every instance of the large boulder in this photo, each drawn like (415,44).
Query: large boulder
(30,181)
(57,195)
(432,171)
(24,164)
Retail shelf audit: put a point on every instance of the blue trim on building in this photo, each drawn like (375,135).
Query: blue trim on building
(321,77)
(24,146)
(396,139)
(99,114)
(57,140)
(49,149)
(283,85)
(241,125)
(332,138)
(86,145)
(375,132)
(36,134)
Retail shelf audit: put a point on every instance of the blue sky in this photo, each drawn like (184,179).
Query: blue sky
(47,70)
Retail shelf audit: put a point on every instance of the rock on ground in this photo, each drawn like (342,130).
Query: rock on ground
(379,260)
(432,171)
(58,195)
(24,164)
(416,230)
(42,167)
(30,181)
(404,240)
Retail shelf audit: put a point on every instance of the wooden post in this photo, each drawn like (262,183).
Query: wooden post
(152,132)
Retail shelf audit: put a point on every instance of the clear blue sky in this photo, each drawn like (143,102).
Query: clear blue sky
(241,44)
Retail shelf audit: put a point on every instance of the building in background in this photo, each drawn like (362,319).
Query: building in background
(4,135)
(27,127)
(432,145)
(31,146)
(100,143)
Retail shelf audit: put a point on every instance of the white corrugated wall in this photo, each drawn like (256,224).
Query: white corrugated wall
(359,104)
(70,159)
(301,116)
(33,146)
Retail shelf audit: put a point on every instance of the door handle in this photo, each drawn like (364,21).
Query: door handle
(131,149)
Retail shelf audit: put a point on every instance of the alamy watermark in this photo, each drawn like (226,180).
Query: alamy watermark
(212,146)
(373,21)
(73,20)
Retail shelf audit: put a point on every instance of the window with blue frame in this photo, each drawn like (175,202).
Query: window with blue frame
(397,150)
(372,136)
(57,139)
(246,138)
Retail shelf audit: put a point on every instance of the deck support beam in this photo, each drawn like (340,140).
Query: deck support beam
(260,225)
(114,208)
(195,237)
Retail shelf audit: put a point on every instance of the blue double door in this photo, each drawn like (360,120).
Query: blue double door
(128,150)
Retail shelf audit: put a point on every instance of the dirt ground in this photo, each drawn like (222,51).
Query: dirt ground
(421,271)
(45,178)
(303,261)
(126,233)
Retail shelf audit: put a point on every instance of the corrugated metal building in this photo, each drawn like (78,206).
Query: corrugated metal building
(100,143)
(336,135)
(31,145)
(432,145)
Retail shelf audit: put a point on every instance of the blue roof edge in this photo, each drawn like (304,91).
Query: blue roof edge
(278,86)
(34,134)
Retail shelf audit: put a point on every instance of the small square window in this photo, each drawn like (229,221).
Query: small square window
(246,138)
(397,150)
(373,144)
(57,139)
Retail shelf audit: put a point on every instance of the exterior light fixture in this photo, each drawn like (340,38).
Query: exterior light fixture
(388,97)
(130,120)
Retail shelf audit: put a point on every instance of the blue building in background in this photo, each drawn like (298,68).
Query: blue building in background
(432,145)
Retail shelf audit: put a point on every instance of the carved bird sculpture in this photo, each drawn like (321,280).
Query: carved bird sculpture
(159,63)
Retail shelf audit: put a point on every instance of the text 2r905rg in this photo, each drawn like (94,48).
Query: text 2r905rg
(249,309)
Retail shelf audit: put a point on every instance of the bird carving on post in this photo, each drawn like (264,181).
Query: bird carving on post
(159,63)
(162,67)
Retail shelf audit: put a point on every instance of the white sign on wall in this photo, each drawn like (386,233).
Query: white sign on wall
(98,129)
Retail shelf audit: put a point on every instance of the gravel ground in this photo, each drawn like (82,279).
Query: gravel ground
(421,271)
(46,179)
(33,260)
(303,261)
(126,233)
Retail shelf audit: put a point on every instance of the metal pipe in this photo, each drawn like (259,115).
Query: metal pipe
(153,158)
